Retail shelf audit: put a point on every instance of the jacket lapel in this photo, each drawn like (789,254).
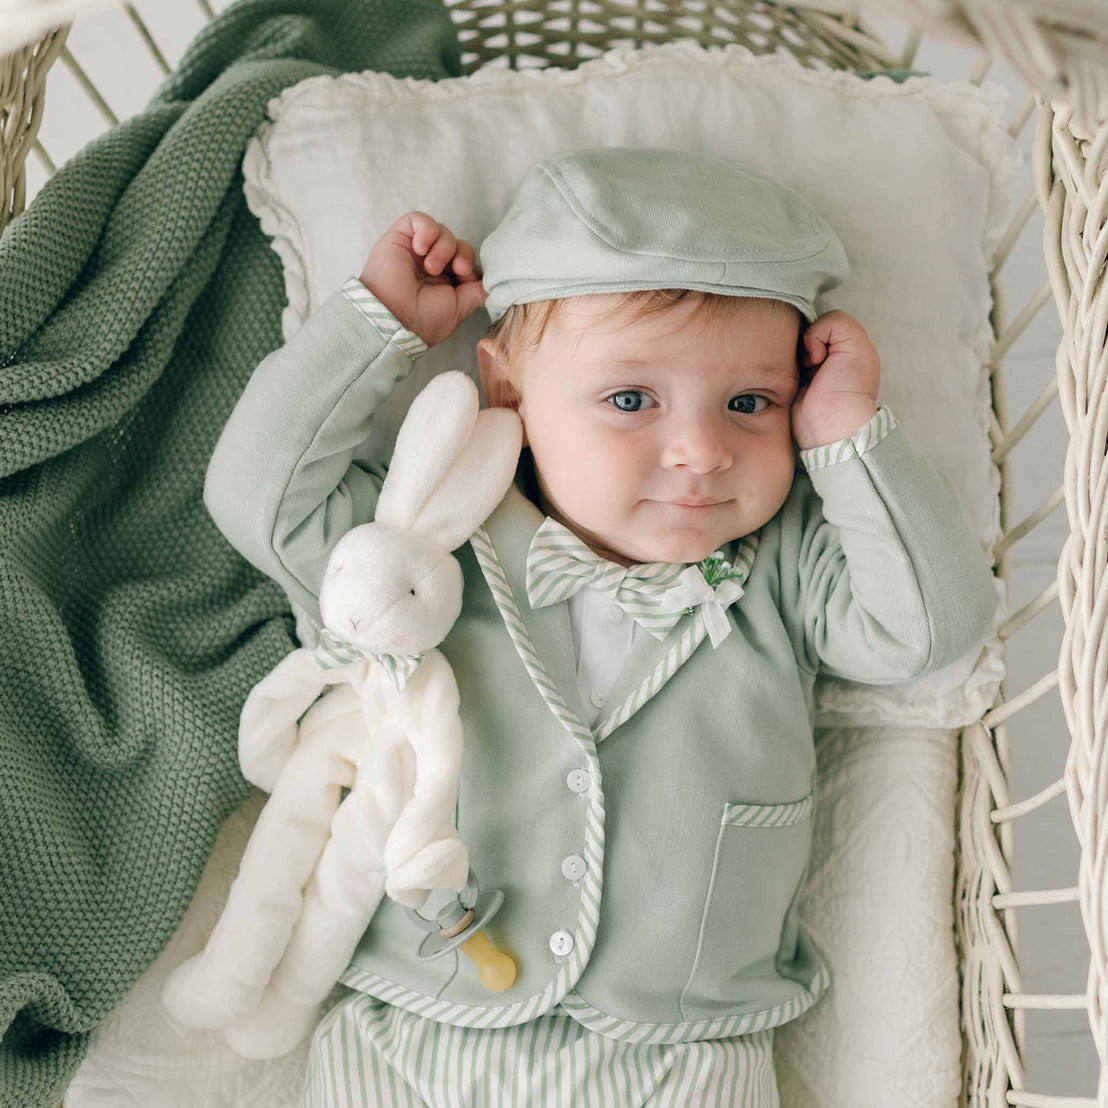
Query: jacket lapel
(547,631)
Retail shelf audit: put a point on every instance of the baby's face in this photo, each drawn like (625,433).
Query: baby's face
(661,439)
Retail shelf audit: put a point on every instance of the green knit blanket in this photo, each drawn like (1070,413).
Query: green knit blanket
(137,294)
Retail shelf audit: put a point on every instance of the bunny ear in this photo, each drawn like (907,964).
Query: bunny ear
(435,431)
(476,482)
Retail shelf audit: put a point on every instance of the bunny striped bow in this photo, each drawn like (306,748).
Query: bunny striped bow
(654,594)
(333,652)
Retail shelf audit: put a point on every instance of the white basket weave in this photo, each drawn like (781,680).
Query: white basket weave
(1060,49)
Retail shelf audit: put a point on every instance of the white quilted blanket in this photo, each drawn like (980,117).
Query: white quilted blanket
(878,904)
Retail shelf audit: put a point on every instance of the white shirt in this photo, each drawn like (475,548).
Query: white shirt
(602,636)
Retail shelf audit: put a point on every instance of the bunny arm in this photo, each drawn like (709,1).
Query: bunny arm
(268,722)
(227,978)
(423,850)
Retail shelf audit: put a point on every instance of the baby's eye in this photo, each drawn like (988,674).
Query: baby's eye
(629,400)
(742,402)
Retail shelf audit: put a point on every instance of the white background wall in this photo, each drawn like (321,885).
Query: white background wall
(1054,951)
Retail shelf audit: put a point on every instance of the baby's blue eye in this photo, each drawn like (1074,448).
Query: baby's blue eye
(745,410)
(628,400)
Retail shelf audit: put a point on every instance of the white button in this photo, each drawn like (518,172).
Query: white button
(598,697)
(614,614)
(561,942)
(573,867)
(578,780)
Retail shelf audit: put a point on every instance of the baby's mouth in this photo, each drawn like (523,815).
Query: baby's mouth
(693,505)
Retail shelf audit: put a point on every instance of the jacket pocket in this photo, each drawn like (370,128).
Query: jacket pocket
(761,858)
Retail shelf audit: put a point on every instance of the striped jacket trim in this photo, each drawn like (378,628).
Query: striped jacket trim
(691,637)
(584,1013)
(588,915)
(719,1027)
(863,440)
(392,330)
(769,815)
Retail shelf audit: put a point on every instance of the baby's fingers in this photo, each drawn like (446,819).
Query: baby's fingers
(431,240)
(424,230)
(471,295)
(442,250)
(836,328)
(815,346)
(464,262)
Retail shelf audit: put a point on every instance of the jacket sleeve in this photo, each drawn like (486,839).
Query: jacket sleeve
(882,575)
(282,484)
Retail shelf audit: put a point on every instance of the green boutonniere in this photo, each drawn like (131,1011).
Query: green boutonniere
(716,568)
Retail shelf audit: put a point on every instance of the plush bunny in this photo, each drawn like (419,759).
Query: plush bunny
(388,730)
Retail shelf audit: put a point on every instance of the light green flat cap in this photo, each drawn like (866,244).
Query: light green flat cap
(617,218)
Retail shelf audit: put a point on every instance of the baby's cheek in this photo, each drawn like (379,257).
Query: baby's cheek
(599,465)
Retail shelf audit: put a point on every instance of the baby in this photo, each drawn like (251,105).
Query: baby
(642,797)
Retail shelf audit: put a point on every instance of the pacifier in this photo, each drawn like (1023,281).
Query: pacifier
(457,925)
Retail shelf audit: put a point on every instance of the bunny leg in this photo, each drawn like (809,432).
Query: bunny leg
(339,903)
(227,978)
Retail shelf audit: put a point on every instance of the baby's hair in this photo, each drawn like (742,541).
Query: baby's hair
(525,324)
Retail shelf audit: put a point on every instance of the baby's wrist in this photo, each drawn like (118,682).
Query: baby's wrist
(833,428)
(375,291)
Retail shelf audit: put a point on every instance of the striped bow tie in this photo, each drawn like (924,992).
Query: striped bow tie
(654,594)
(333,652)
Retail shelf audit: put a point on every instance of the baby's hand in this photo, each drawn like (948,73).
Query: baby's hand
(407,271)
(840,372)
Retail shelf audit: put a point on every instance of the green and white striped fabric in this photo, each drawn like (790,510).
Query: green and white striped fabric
(382,318)
(367,1053)
(768,815)
(333,652)
(864,439)
(559,564)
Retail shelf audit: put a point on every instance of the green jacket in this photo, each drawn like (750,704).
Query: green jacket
(690,803)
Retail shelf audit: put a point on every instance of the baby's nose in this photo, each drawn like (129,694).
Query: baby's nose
(698,444)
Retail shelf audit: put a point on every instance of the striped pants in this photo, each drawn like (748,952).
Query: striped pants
(368,1054)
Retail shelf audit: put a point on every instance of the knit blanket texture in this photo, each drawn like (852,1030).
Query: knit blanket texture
(137,295)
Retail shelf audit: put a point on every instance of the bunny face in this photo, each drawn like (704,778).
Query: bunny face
(392,586)
(389,590)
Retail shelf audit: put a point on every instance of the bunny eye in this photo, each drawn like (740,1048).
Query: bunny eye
(412,591)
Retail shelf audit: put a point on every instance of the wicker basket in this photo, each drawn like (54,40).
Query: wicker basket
(1060,49)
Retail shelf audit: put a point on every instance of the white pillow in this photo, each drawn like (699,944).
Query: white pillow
(917,179)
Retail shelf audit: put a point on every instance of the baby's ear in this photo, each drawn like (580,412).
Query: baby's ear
(495,381)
